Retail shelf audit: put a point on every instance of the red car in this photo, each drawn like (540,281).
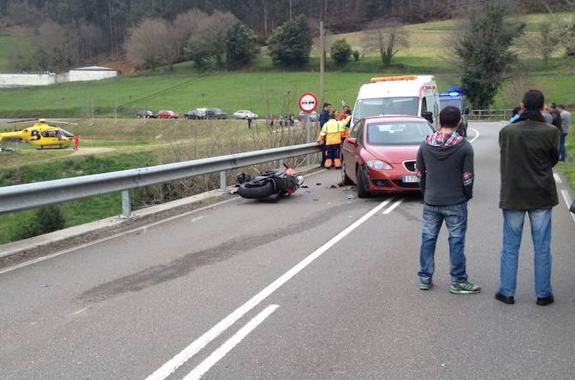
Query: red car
(167,115)
(379,154)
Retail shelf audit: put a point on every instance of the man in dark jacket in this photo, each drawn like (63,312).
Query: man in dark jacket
(529,150)
(445,166)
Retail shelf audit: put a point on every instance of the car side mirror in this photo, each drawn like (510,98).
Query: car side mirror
(466,111)
(428,116)
(352,140)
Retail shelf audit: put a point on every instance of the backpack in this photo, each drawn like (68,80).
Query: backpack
(556,115)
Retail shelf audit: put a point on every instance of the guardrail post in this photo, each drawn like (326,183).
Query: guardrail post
(126,204)
(223,181)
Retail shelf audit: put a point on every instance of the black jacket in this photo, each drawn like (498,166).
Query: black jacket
(446,173)
(529,151)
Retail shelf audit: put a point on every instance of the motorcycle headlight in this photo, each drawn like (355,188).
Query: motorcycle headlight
(379,165)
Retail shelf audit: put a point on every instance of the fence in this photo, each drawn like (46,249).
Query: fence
(503,114)
(22,197)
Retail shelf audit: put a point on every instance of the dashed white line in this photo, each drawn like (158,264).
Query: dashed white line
(568,201)
(183,356)
(225,348)
(393,207)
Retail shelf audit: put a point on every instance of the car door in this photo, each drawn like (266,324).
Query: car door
(351,148)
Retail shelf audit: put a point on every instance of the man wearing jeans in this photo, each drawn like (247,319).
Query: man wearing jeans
(445,166)
(529,150)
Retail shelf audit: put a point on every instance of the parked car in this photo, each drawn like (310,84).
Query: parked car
(380,153)
(215,113)
(198,113)
(245,114)
(146,114)
(167,114)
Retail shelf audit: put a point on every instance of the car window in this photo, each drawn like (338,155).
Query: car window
(451,102)
(398,133)
(386,106)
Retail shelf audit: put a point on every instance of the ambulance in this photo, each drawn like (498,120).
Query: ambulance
(415,95)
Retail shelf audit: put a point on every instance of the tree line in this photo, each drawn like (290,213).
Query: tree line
(57,34)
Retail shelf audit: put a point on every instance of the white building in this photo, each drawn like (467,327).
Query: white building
(89,73)
(79,74)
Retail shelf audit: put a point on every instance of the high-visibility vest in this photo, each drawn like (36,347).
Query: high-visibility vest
(332,131)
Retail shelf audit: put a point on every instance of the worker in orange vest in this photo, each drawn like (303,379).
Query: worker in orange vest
(331,135)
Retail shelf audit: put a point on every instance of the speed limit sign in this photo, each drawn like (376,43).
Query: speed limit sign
(308,102)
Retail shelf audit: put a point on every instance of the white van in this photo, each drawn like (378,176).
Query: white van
(415,95)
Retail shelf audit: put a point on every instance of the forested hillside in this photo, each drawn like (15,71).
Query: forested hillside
(72,32)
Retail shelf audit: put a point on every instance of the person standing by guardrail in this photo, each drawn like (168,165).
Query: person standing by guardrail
(529,151)
(565,124)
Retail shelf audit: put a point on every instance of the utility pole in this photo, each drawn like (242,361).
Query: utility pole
(321,64)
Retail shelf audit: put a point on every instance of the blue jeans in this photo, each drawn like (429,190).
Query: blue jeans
(541,235)
(455,218)
(562,146)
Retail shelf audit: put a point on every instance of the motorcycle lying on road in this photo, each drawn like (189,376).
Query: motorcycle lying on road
(271,185)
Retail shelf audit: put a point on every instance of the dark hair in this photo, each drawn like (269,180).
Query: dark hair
(326,105)
(533,103)
(515,111)
(533,100)
(449,117)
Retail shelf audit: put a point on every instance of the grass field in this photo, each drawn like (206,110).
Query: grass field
(4,53)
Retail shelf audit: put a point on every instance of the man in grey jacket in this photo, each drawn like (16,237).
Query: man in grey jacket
(445,167)
(565,124)
(529,150)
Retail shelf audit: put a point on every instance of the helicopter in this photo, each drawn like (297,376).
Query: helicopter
(41,135)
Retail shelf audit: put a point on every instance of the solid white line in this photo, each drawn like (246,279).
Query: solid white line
(183,356)
(568,201)
(225,348)
(393,207)
(557,178)
(476,135)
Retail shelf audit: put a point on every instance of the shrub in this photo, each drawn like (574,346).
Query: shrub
(47,219)
(340,51)
(355,55)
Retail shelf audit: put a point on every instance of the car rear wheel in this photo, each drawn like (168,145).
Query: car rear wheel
(362,184)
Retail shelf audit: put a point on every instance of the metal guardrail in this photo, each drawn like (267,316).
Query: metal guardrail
(22,197)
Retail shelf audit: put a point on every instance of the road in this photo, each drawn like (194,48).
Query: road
(321,285)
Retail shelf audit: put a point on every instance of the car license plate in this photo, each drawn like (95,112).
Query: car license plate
(410,179)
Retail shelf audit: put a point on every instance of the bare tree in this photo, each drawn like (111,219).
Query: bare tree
(209,40)
(390,41)
(151,44)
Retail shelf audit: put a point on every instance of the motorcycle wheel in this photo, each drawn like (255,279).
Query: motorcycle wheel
(256,192)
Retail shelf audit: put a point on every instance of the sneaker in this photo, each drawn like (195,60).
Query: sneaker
(425,285)
(544,301)
(509,300)
(464,288)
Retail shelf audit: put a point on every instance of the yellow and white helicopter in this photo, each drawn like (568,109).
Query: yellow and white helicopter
(41,135)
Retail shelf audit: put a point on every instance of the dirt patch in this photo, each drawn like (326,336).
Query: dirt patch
(88,151)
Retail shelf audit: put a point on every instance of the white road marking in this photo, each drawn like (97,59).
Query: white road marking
(183,356)
(557,178)
(476,135)
(80,311)
(225,348)
(568,201)
(393,207)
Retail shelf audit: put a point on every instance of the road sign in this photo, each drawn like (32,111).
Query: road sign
(308,102)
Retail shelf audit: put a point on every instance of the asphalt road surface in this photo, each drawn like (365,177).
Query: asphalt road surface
(319,286)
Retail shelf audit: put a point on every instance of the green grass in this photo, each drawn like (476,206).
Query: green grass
(4,53)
